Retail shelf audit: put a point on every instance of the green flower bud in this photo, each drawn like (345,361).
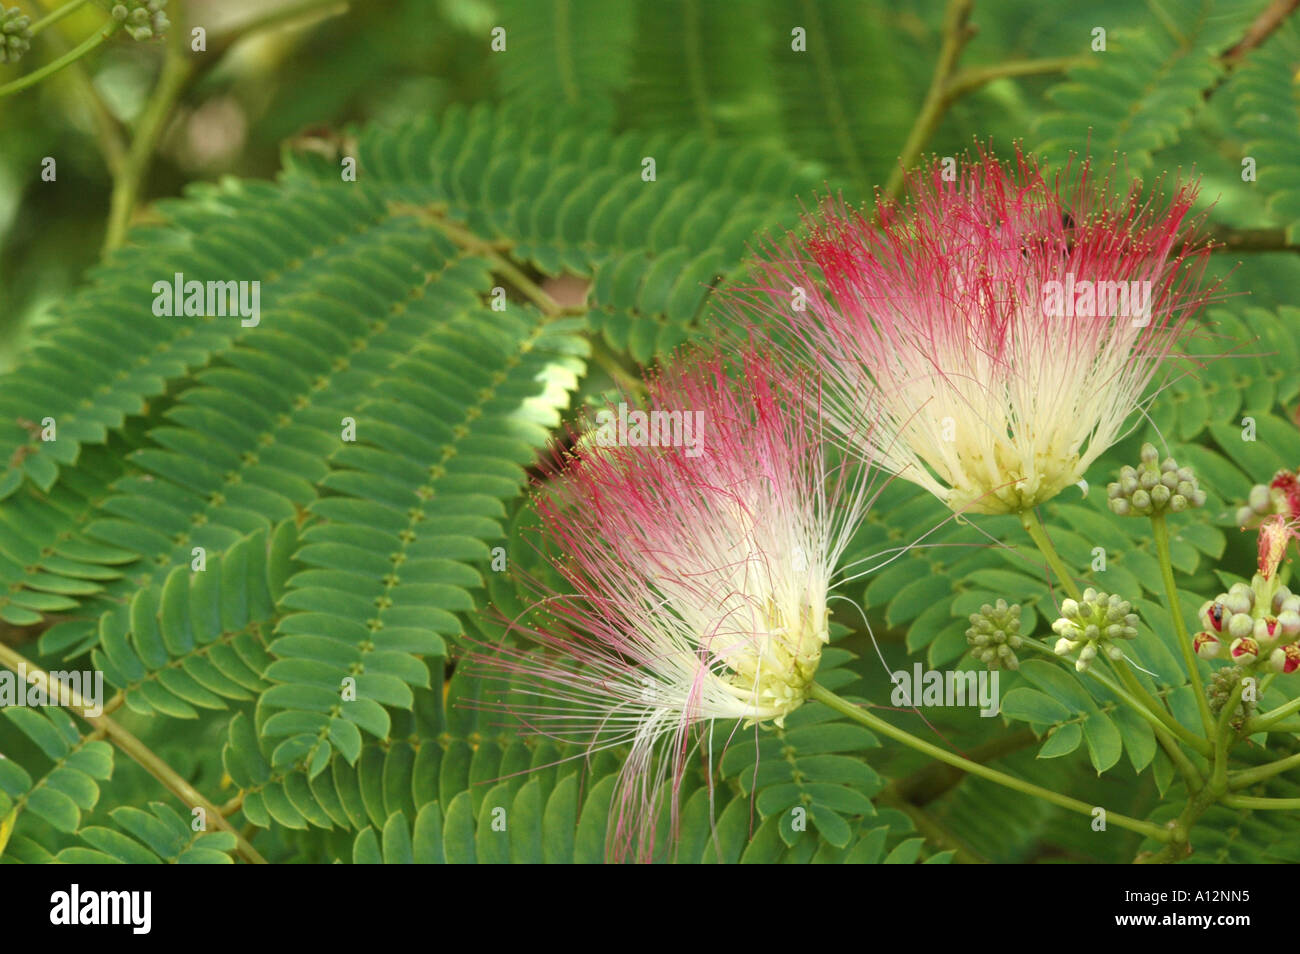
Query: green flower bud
(142,19)
(1154,487)
(994,634)
(16,28)
(1222,683)
(1241,625)
(1094,623)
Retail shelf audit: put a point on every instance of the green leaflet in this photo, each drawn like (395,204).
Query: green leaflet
(1267,103)
(1142,92)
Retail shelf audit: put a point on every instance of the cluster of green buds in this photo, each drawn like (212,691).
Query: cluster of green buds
(1093,624)
(1259,621)
(994,635)
(15,34)
(1219,691)
(142,19)
(1280,496)
(1154,487)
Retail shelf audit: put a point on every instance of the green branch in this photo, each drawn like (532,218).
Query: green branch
(176,72)
(950,84)
(275,17)
(969,80)
(957,32)
(1160,531)
(1266,804)
(137,750)
(876,724)
(1045,547)
(1247,777)
(928,783)
(1130,679)
(108,131)
(52,18)
(67,59)
(1269,719)
(179,70)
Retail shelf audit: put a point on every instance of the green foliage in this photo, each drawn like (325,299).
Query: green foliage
(158,836)
(1141,92)
(1267,99)
(204,531)
(323,559)
(67,787)
(564,51)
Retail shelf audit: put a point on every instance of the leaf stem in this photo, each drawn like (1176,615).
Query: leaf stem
(971,79)
(1223,739)
(471,242)
(51,18)
(179,69)
(1130,679)
(108,130)
(876,724)
(1044,543)
(67,59)
(957,32)
(928,783)
(1167,742)
(950,84)
(1214,790)
(1160,533)
(136,749)
(176,71)
(1268,719)
(1267,804)
(1247,777)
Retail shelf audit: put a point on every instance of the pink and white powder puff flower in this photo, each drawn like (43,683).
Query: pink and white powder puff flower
(698,581)
(997,330)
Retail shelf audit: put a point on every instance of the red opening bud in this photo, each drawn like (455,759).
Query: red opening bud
(1207,645)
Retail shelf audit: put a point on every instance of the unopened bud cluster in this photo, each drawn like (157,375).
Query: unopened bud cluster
(1259,621)
(1219,691)
(994,635)
(1092,625)
(143,19)
(15,34)
(1154,487)
(1281,495)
